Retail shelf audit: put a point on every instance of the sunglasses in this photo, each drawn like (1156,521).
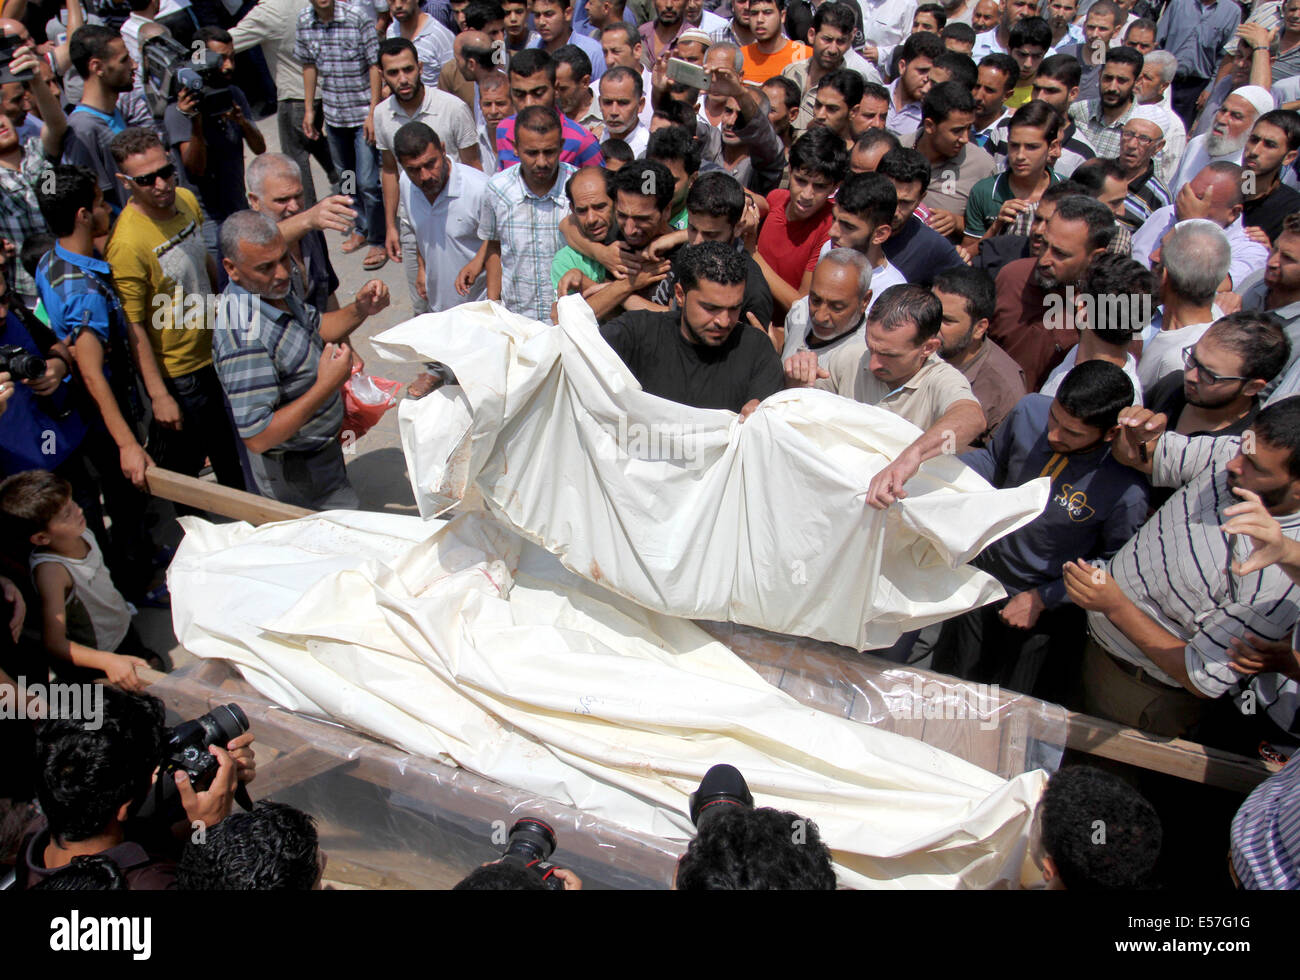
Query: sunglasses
(148,180)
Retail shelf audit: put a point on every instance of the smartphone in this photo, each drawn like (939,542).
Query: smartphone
(685,73)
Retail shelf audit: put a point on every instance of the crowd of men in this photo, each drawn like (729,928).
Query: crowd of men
(1062,241)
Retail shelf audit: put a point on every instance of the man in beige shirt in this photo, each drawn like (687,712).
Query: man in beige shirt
(898,368)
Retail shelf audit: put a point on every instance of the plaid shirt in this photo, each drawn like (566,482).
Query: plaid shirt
(1101,135)
(1121,244)
(20,213)
(528,228)
(342,52)
(266,358)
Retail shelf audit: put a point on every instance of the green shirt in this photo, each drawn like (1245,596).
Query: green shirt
(569,258)
(986,200)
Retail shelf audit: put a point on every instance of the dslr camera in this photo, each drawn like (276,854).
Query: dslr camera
(21,365)
(186,750)
(168,67)
(531,843)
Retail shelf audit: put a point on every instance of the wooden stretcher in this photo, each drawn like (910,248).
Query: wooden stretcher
(300,758)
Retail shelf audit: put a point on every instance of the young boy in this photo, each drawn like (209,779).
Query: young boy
(86,622)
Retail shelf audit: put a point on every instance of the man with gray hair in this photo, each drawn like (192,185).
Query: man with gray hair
(1153,88)
(281,364)
(1189,264)
(1214,194)
(276,188)
(835,310)
(1226,138)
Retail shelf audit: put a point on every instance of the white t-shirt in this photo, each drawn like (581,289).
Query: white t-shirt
(92,587)
(1058,374)
(446,233)
(1162,354)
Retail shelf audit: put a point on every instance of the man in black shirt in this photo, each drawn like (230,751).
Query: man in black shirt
(1217,392)
(919,252)
(714,208)
(1271,146)
(701,355)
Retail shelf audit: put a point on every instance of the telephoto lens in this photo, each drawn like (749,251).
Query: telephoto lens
(530,840)
(531,843)
(722,786)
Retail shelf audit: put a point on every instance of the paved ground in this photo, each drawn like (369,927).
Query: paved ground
(377,469)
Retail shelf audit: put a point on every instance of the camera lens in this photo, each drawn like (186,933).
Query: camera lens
(722,786)
(530,840)
(223,723)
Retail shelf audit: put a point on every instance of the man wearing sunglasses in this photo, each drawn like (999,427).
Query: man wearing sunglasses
(167,281)
(1217,392)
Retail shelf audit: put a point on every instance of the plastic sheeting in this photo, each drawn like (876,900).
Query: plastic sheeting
(389,819)
(468,645)
(688,511)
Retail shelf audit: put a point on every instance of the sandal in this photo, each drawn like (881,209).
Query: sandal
(376,258)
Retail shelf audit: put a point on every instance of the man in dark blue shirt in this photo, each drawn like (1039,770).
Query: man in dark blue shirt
(1095,505)
(920,253)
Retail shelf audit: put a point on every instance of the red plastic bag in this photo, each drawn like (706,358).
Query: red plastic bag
(365,400)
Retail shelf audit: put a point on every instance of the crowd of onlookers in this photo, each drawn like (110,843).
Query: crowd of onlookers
(1061,239)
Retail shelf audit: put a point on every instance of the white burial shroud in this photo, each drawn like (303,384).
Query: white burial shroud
(467,643)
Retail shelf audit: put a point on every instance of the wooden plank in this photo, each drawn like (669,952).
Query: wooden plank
(296,766)
(221,500)
(1175,757)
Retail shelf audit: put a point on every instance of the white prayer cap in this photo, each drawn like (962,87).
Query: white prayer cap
(696,35)
(1258,96)
(1154,113)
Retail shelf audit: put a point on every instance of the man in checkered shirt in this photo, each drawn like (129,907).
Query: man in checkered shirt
(520,219)
(282,364)
(22,163)
(339,51)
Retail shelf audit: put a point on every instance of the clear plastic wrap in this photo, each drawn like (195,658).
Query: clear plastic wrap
(389,819)
(1001,731)
(393,820)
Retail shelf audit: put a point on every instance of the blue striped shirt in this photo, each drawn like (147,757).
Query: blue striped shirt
(266,358)
(1266,833)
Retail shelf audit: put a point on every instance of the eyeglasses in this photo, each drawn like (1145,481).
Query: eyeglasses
(1139,138)
(148,180)
(1208,376)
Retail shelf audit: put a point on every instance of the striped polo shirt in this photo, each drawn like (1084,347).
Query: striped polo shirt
(1146,195)
(580,148)
(266,358)
(1177,569)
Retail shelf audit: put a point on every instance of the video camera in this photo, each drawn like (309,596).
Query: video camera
(531,843)
(168,67)
(186,751)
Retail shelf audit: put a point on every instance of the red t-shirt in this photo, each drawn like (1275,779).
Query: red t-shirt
(792,249)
